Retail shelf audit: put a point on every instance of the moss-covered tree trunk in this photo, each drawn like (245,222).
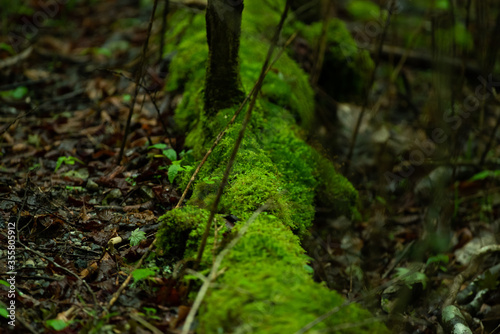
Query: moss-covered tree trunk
(223,84)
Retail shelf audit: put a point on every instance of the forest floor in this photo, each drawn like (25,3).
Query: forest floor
(64,105)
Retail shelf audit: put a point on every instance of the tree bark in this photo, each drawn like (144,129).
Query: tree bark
(222,83)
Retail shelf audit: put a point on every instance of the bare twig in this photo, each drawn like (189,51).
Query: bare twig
(163,28)
(63,269)
(129,277)
(138,75)
(368,87)
(17,58)
(321,47)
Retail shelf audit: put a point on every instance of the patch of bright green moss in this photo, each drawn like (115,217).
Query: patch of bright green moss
(268,290)
(266,287)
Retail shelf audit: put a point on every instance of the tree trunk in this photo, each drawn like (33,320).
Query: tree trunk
(222,83)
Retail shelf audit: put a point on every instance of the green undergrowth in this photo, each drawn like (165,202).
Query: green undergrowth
(266,286)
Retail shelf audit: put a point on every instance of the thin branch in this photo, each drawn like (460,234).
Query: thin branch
(129,277)
(368,87)
(163,28)
(321,47)
(138,75)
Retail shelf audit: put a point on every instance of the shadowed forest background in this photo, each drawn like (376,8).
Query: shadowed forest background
(363,195)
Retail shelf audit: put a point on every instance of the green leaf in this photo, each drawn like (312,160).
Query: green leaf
(149,310)
(59,162)
(160,146)
(81,173)
(4,283)
(173,170)
(363,10)
(141,274)
(440,258)
(7,47)
(442,4)
(462,36)
(170,153)
(103,51)
(136,237)
(17,93)
(3,312)
(308,269)
(481,175)
(67,161)
(57,324)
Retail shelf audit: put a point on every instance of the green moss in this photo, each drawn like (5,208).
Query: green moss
(349,64)
(182,228)
(266,287)
(253,298)
(195,49)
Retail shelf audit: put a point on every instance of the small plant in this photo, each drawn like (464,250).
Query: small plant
(178,165)
(485,174)
(7,47)
(57,324)
(151,313)
(440,260)
(126,98)
(167,152)
(136,237)
(15,94)
(142,274)
(131,180)
(3,312)
(210,180)
(35,167)
(67,161)
(75,188)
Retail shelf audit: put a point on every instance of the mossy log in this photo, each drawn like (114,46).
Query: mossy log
(267,286)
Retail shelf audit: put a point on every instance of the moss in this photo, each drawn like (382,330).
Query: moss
(334,190)
(348,65)
(181,230)
(252,298)
(266,287)
(194,48)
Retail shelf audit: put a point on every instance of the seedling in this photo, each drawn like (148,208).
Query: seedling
(151,313)
(15,94)
(57,324)
(136,237)
(67,161)
(176,166)
(131,180)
